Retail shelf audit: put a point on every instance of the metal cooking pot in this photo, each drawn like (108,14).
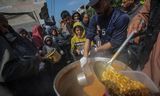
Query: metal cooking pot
(54,56)
(66,84)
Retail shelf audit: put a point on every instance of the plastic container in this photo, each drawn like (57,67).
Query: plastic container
(143,78)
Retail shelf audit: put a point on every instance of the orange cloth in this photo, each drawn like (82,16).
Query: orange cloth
(152,67)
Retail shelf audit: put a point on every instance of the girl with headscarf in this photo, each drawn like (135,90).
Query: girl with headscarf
(37,36)
(78,40)
(49,45)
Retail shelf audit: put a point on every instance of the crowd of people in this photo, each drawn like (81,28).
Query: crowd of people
(26,71)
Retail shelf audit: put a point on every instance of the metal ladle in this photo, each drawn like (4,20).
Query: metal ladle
(82,78)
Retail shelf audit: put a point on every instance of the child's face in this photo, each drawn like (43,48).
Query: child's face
(127,3)
(23,34)
(48,41)
(54,32)
(78,31)
(85,18)
(76,16)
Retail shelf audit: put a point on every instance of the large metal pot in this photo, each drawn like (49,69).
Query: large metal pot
(66,83)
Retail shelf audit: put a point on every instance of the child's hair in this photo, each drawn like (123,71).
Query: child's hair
(78,26)
(65,14)
(53,28)
(76,13)
(46,38)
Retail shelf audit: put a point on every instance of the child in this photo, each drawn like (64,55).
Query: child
(78,40)
(49,45)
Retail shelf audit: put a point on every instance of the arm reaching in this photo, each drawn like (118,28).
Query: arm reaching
(139,22)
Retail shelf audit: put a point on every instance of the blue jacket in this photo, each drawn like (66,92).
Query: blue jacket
(113,28)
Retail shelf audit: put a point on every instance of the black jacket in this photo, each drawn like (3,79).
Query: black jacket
(17,57)
(20,68)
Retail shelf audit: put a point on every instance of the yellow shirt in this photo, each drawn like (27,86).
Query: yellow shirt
(77,43)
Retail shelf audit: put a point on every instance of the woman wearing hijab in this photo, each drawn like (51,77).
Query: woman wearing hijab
(37,36)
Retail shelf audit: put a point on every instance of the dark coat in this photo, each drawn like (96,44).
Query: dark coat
(23,72)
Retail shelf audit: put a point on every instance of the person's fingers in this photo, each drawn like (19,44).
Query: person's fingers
(135,26)
(131,28)
(142,26)
(139,27)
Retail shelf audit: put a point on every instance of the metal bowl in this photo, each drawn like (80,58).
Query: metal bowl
(66,83)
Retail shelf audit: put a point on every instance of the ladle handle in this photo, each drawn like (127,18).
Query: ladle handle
(121,47)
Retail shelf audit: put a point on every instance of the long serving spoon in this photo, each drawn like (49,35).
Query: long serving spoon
(109,63)
(82,79)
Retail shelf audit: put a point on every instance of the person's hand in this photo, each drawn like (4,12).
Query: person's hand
(41,53)
(136,26)
(83,61)
(40,56)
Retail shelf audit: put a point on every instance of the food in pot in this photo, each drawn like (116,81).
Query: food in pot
(95,88)
(120,85)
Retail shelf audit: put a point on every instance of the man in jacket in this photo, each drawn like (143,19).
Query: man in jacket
(22,71)
(113,24)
